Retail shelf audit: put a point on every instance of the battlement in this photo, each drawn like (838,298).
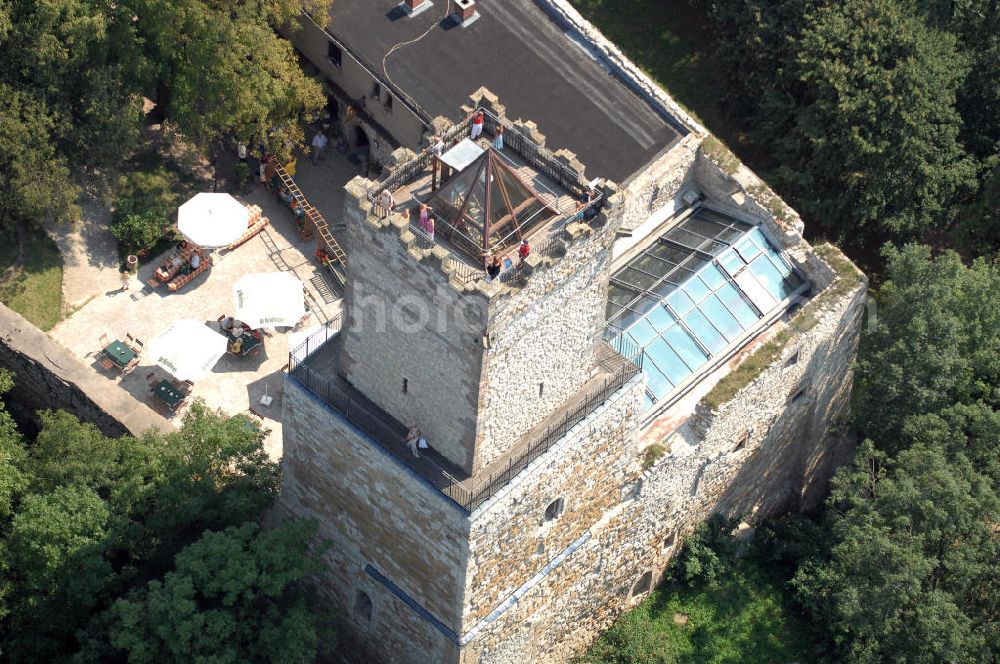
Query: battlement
(534,194)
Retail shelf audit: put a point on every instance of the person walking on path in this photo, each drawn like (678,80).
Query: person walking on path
(430,228)
(318,143)
(477,124)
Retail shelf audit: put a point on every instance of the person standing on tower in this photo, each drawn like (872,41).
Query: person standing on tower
(477,124)
(524,250)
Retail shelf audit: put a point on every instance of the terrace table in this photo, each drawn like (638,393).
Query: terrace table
(168,394)
(249,340)
(119,353)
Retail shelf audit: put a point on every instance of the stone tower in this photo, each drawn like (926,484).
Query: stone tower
(531,521)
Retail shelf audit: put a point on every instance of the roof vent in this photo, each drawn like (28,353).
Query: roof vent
(414,7)
(690,197)
(464,12)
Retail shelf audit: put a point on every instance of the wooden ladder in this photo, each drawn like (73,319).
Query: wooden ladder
(314,219)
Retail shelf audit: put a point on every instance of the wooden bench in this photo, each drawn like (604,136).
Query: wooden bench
(257,227)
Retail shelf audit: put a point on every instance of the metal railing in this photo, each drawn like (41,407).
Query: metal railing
(313,342)
(424,239)
(469,494)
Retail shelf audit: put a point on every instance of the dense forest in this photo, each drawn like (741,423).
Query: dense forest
(148,549)
(878,119)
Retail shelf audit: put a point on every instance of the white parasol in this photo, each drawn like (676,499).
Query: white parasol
(212,220)
(188,349)
(269,299)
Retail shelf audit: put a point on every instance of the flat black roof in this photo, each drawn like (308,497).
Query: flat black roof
(517,51)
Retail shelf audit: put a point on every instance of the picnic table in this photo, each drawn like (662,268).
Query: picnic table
(170,395)
(120,354)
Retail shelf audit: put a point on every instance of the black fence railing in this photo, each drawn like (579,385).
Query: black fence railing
(390,436)
(628,349)
(297,355)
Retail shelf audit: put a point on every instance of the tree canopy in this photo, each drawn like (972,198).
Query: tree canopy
(98,533)
(879,118)
(230,598)
(906,567)
(73,72)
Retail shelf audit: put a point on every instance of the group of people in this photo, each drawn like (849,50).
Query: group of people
(494,266)
(425,220)
(292,202)
(186,266)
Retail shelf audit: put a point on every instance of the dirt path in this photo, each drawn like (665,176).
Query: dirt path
(90,255)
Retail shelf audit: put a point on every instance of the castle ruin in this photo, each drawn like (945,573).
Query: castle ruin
(538,511)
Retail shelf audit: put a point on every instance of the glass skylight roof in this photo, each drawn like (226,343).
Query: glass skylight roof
(691,294)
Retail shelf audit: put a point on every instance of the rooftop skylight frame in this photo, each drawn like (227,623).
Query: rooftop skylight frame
(733,298)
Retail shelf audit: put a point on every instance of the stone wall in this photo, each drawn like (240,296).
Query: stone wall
(47,376)
(511,582)
(375,512)
(357,82)
(586,470)
(660,184)
(543,339)
(769,449)
(403,321)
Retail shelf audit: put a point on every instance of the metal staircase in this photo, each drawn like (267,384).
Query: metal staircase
(314,219)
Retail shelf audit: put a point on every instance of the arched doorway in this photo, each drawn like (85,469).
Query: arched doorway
(360,142)
(332,107)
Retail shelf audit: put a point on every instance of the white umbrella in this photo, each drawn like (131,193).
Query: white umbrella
(188,349)
(269,299)
(212,220)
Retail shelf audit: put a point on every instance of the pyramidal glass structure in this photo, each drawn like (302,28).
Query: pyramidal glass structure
(695,295)
(487,208)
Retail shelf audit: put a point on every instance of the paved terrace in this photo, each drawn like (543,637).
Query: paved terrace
(319,373)
(236,384)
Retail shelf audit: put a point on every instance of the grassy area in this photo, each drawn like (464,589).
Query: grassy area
(747,371)
(745,619)
(33,288)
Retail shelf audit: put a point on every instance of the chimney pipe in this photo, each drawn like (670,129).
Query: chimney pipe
(464,11)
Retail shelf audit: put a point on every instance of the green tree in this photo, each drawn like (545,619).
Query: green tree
(96,516)
(874,136)
(232,597)
(221,68)
(936,342)
(54,569)
(911,573)
(13,479)
(36,177)
(136,229)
